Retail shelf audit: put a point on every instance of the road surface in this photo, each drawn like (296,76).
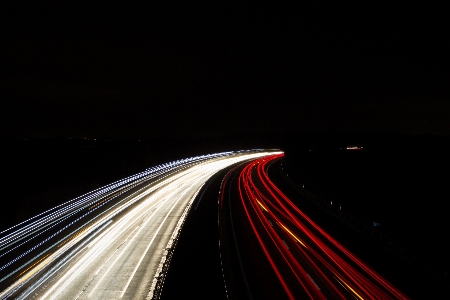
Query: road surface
(117,252)
(271,248)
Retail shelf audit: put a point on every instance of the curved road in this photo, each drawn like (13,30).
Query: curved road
(120,250)
(263,230)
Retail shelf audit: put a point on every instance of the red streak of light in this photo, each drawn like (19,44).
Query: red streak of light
(363,283)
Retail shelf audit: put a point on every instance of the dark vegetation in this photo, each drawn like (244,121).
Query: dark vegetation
(396,180)
(41,173)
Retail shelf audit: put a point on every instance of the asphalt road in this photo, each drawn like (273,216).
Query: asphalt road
(271,248)
(196,259)
(121,253)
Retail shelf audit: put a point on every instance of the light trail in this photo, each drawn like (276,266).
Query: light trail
(106,244)
(303,254)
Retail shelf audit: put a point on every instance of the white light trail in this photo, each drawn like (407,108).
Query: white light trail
(140,231)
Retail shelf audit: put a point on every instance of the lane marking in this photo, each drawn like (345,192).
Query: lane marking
(313,281)
(148,246)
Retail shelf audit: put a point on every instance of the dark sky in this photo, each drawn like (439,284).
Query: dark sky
(121,68)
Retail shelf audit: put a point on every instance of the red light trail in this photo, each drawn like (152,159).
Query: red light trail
(301,253)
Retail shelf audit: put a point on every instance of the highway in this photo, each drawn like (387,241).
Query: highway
(280,252)
(111,243)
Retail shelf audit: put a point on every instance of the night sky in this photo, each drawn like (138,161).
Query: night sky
(125,69)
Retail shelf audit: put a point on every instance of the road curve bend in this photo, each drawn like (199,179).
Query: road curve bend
(110,243)
(277,243)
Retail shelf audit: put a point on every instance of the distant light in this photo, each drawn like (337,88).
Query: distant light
(353,148)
